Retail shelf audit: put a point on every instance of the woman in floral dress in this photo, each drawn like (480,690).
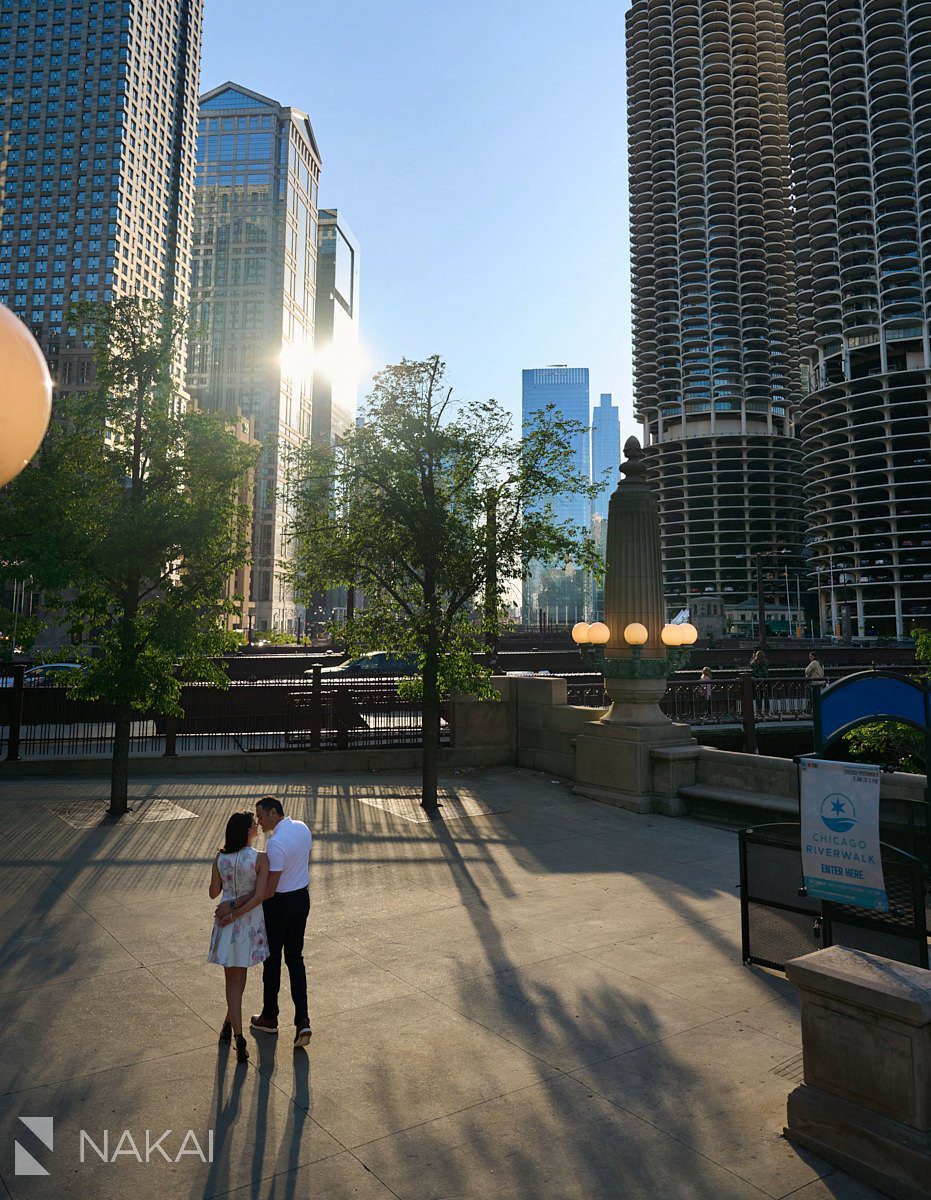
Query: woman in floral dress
(240,872)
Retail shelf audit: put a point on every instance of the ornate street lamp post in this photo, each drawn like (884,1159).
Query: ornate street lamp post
(615,756)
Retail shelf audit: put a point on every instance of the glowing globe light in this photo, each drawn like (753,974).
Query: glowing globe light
(688,634)
(580,633)
(671,635)
(599,634)
(636,634)
(25,396)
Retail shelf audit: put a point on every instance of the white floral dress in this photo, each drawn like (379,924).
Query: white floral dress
(243,942)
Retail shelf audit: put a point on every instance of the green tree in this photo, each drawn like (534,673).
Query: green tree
(129,519)
(892,743)
(18,628)
(428,507)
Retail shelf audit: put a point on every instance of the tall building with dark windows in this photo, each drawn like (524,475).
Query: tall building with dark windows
(716,375)
(336,333)
(606,452)
(254,267)
(859,89)
(99,103)
(558,595)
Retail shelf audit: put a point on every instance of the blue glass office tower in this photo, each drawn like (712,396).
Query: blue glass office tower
(253,294)
(606,452)
(566,389)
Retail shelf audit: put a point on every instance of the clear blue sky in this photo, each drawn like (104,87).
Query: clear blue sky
(478,151)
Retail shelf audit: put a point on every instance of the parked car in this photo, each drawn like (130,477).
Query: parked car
(51,674)
(376,662)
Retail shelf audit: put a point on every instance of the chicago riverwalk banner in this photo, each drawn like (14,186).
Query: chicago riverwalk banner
(841,859)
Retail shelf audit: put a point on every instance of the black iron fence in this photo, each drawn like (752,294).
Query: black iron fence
(735,700)
(318,713)
(780,921)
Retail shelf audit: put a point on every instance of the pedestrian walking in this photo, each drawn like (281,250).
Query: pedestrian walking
(759,669)
(705,683)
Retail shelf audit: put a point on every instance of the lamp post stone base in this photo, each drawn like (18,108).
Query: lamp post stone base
(635,757)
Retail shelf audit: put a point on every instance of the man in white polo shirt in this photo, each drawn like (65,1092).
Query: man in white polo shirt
(286,905)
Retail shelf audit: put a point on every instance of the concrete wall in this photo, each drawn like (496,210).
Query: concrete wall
(751,787)
(546,726)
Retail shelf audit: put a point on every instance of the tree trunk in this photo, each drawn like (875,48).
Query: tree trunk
(119,771)
(431,733)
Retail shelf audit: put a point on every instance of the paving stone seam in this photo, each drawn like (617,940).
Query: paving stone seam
(34,987)
(294,1170)
(137,1062)
(707,1157)
(828,1169)
(361,1147)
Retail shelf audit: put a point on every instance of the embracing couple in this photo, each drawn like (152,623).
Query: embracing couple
(262,913)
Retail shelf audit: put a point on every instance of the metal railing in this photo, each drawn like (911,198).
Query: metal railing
(733,700)
(726,701)
(317,713)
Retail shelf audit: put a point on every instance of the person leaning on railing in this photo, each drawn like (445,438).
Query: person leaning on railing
(814,674)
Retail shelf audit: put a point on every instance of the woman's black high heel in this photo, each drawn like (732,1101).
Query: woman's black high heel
(226,1033)
(242,1051)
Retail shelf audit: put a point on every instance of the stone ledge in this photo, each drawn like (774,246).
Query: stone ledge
(892,989)
(765,802)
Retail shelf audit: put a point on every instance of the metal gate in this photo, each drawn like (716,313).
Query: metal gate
(780,922)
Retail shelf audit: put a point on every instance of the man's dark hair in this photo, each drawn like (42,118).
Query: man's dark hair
(271,804)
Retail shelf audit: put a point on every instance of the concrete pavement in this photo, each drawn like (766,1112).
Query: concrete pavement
(544,1001)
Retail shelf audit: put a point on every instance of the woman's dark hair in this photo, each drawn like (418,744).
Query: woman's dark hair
(237,832)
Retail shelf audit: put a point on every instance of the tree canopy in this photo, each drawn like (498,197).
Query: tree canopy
(429,506)
(130,520)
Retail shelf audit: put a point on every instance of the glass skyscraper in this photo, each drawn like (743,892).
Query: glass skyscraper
(253,295)
(336,336)
(606,452)
(97,161)
(566,389)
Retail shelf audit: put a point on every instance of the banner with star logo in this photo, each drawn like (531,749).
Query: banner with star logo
(841,857)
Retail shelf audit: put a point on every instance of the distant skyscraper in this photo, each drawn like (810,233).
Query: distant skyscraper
(97,199)
(336,335)
(253,293)
(566,389)
(859,87)
(714,337)
(606,452)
